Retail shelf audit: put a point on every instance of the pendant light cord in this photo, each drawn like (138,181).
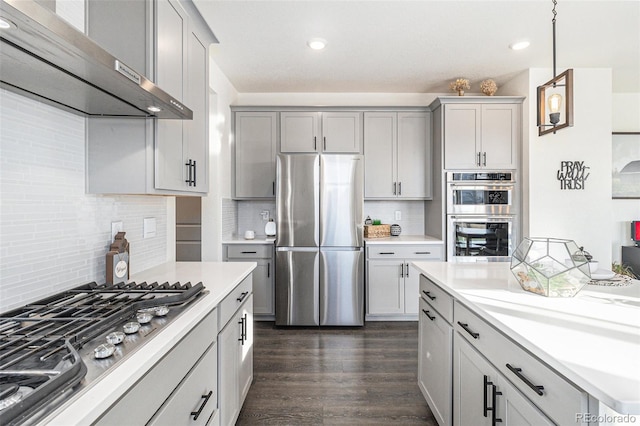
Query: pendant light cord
(553,21)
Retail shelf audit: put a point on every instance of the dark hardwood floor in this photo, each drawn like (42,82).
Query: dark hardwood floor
(332,376)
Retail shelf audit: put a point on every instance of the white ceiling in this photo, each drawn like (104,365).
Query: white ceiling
(398,46)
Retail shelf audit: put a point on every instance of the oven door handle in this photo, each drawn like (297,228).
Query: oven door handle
(483,218)
(473,186)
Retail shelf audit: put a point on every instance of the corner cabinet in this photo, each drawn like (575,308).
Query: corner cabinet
(255,135)
(480,132)
(331,132)
(153,156)
(397,154)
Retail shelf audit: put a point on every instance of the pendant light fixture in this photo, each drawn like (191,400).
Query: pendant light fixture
(554,95)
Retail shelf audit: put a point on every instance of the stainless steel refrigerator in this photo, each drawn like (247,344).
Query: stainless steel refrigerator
(319,254)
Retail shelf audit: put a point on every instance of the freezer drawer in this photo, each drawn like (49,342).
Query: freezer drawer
(297,287)
(342,286)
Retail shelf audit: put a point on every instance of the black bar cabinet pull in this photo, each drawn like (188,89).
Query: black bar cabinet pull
(402,270)
(494,419)
(422,252)
(315,144)
(269,270)
(195,170)
(487,383)
(468,330)
(399,188)
(243,329)
(394,188)
(430,317)
(518,372)
(206,397)
(242,296)
(407,265)
(249,252)
(426,293)
(273,188)
(386,252)
(484,158)
(188,164)
(324,140)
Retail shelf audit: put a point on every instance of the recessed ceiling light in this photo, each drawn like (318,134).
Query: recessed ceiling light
(519,45)
(317,43)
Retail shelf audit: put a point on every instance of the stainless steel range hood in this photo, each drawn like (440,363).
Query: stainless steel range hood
(45,58)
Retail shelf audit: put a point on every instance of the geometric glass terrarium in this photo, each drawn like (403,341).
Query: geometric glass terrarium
(550,266)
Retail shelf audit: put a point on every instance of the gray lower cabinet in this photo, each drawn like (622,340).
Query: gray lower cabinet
(183,382)
(235,351)
(482,396)
(435,337)
(153,156)
(263,275)
(392,283)
(473,374)
(255,154)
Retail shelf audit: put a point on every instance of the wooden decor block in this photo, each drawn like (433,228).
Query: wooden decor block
(377,231)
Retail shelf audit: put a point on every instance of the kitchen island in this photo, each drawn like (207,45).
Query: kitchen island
(102,401)
(588,345)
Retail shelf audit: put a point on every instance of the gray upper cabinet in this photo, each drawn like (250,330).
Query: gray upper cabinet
(171,30)
(167,40)
(341,132)
(397,154)
(481,135)
(300,131)
(255,154)
(328,131)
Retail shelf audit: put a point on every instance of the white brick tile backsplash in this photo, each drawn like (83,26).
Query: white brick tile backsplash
(53,236)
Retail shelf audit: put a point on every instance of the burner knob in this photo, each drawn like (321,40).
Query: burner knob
(144,317)
(131,327)
(115,337)
(104,350)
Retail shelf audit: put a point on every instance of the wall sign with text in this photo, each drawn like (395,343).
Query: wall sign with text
(573,175)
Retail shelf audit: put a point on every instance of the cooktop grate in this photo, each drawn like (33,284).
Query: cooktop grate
(39,342)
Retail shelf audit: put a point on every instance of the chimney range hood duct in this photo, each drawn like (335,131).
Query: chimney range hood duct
(45,58)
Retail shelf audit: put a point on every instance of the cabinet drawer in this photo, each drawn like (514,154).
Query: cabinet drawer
(249,251)
(438,298)
(402,251)
(196,394)
(233,301)
(559,399)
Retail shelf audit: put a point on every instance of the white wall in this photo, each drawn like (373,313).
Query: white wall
(584,215)
(223,94)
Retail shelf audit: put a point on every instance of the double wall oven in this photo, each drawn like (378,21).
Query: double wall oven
(482,214)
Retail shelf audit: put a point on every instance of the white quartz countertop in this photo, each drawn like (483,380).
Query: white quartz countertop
(404,239)
(592,339)
(259,239)
(219,279)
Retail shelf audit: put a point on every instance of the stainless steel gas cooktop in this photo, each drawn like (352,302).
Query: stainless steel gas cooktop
(52,349)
